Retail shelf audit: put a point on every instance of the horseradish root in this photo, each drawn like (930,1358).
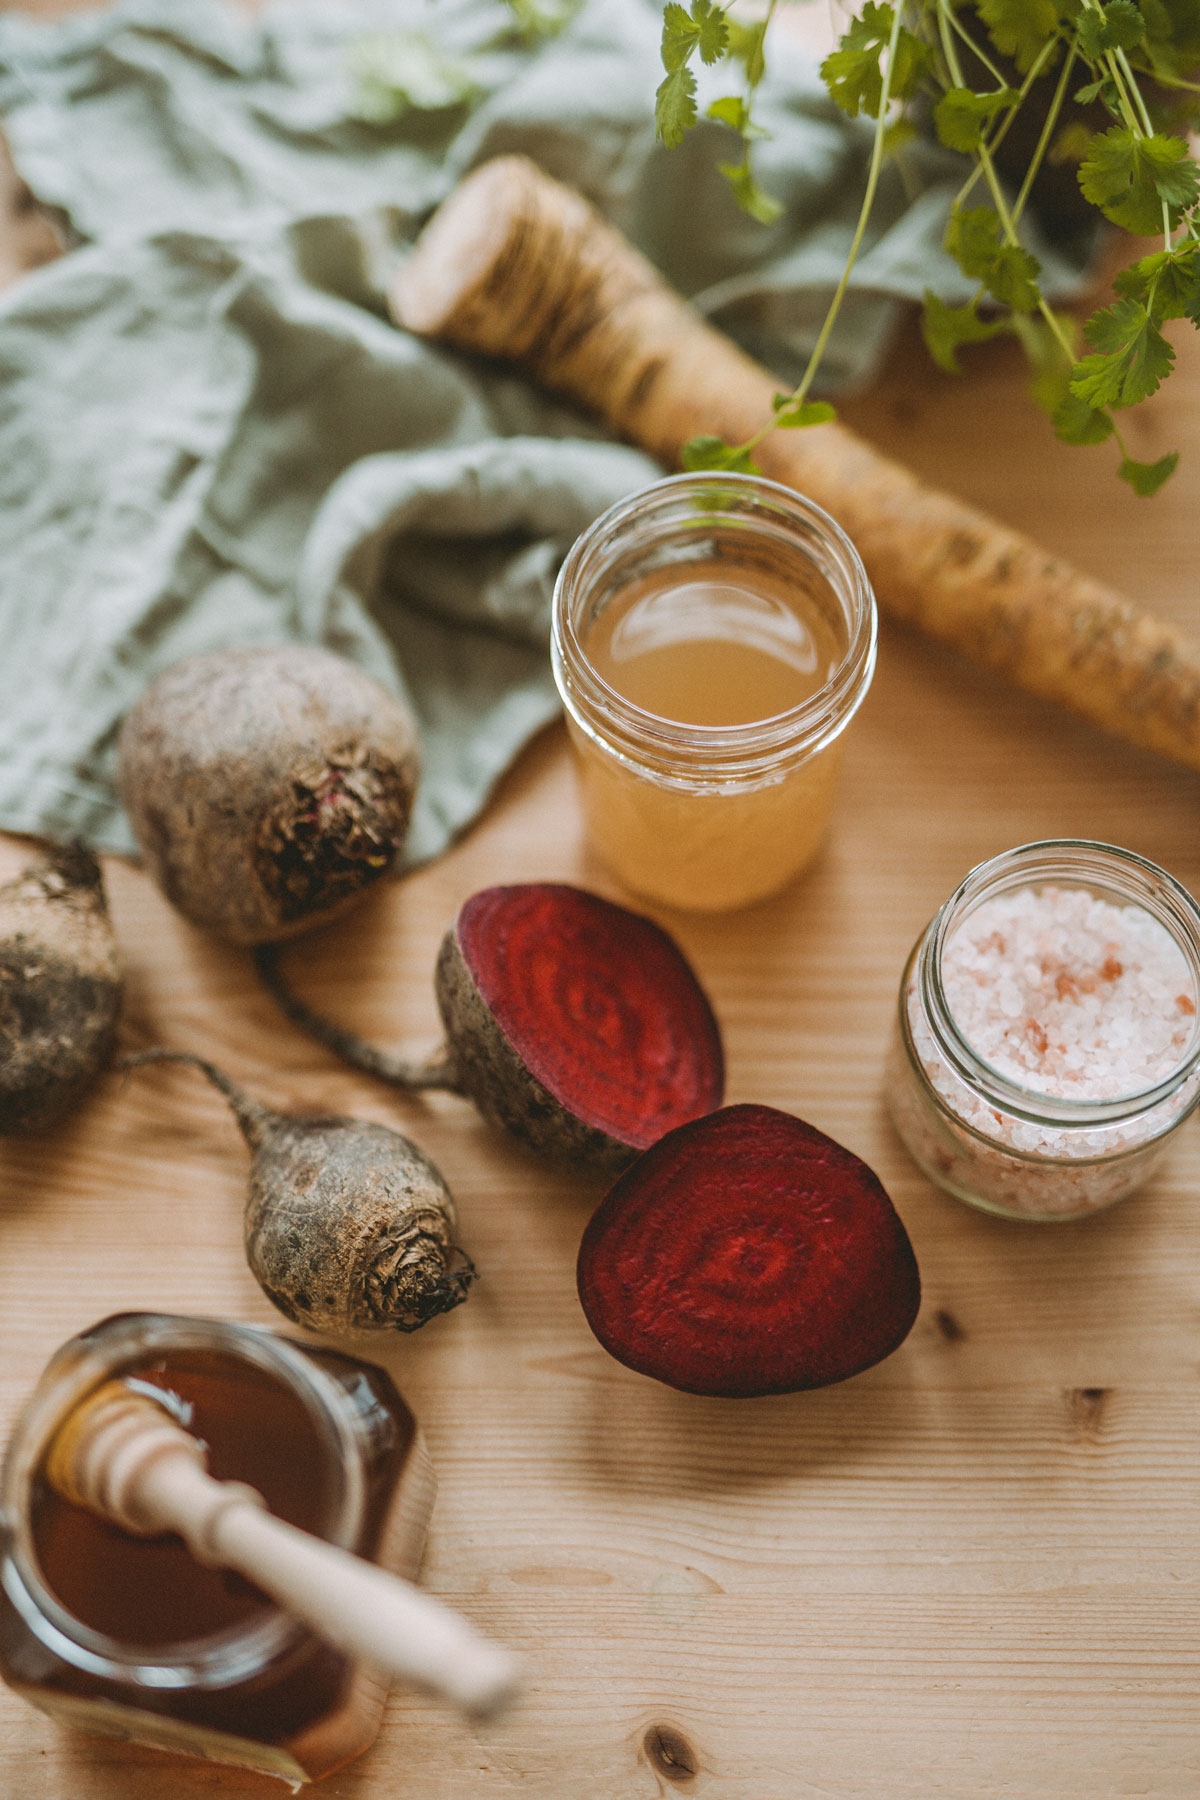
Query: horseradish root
(571,1022)
(267,788)
(348,1225)
(60,988)
(514,265)
(747,1253)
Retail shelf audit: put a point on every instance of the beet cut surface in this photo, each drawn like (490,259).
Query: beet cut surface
(747,1253)
(599,1005)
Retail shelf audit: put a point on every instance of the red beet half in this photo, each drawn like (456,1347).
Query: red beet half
(747,1253)
(572,1022)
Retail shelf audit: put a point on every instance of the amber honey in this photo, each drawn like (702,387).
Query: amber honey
(131,1636)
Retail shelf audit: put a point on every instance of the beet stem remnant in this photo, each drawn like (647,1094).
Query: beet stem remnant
(348,1224)
(437,1071)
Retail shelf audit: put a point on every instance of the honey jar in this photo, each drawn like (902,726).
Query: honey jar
(132,1637)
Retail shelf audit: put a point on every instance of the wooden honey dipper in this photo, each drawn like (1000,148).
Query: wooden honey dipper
(515,265)
(122,1456)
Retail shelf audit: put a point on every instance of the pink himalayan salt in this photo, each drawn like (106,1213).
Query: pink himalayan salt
(1070,995)
(1019,975)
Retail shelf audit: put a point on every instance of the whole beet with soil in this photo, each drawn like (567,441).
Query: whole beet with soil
(571,1022)
(747,1253)
(268,788)
(348,1225)
(60,988)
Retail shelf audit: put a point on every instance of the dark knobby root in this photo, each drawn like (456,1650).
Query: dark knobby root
(747,1253)
(60,988)
(267,788)
(574,1023)
(348,1225)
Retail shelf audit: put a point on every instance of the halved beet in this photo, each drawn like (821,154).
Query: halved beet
(575,1023)
(572,1022)
(747,1253)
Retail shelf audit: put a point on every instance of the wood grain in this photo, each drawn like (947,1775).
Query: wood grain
(972,1573)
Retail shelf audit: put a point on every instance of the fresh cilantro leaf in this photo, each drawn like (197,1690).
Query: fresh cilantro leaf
(750,197)
(746,44)
(1085,95)
(1168,281)
(715,453)
(1117,26)
(972,238)
(790,412)
(1075,422)
(851,72)
(1129,178)
(1019,28)
(675,105)
(1147,478)
(1130,357)
(732,110)
(1008,271)
(913,57)
(961,116)
(704,28)
(947,328)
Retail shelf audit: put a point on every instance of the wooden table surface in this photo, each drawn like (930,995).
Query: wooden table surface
(972,1573)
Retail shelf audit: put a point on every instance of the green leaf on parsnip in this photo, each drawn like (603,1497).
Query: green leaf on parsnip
(714,453)
(961,117)
(1130,178)
(1130,357)
(1147,478)
(791,413)
(947,328)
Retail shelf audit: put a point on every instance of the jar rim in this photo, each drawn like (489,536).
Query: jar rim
(747,749)
(1119,874)
(216,1659)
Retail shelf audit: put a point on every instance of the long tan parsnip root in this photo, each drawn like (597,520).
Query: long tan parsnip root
(517,266)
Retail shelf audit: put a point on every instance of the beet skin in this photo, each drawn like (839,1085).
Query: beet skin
(267,788)
(60,988)
(747,1253)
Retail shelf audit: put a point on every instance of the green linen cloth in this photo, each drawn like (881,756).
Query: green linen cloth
(210,434)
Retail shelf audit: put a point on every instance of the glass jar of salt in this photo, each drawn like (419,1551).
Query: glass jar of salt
(1047,1044)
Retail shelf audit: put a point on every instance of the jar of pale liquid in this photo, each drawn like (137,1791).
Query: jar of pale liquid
(713,637)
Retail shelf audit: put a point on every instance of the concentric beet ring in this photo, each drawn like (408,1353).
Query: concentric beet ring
(575,1023)
(747,1253)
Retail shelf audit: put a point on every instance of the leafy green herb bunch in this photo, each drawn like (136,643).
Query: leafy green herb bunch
(1020,88)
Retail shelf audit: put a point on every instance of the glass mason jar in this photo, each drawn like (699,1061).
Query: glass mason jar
(712,816)
(1008,1147)
(131,1637)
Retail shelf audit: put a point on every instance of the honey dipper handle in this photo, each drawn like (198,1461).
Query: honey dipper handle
(516,265)
(372,1615)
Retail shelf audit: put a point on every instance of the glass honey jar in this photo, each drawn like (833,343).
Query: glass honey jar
(132,1637)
